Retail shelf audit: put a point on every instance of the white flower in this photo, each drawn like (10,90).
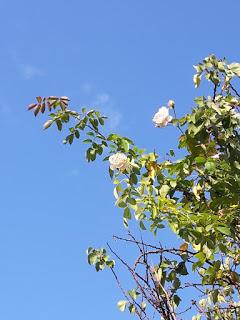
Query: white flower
(118,161)
(162,117)
(216,156)
(171,104)
(203,303)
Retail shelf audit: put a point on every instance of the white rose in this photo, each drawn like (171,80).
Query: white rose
(171,104)
(118,161)
(162,117)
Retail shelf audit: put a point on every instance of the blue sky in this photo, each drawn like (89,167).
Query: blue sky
(126,58)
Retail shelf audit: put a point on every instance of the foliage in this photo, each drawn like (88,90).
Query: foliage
(196,196)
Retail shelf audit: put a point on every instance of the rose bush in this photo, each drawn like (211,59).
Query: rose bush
(197,197)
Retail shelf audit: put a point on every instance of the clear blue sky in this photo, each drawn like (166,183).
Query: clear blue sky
(127,57)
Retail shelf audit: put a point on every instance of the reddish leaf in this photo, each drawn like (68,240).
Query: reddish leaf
(36,109)
(39,99)
(31,106)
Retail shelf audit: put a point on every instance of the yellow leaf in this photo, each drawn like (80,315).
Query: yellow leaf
(184,246)
(196,80)
(196,247)
(152,168)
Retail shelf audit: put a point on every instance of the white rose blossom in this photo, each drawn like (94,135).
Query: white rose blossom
(162,117)
(118,161)
(171,104)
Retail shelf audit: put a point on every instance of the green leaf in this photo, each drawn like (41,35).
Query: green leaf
(91,134)
(215,295)
(210,166)
(224,230)
(235,68)
(77,134)
(133,293)
(237,165)
(101,121)
(111,172)
(196,80)
(125,145)
(127,213)
(133,178)
(115,193)
(122,305)
(200,160)
(200,256)
(70,138)
(87,141)
(120,203)
(132,308)
(131,201)
(173,183)
(92,258)
(176,299)
(164,190)
(143,305)
(142,226)
(181,269)
(110,263)
(176,283)
(59,125)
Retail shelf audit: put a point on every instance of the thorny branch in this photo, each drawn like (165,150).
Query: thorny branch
(155,288)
